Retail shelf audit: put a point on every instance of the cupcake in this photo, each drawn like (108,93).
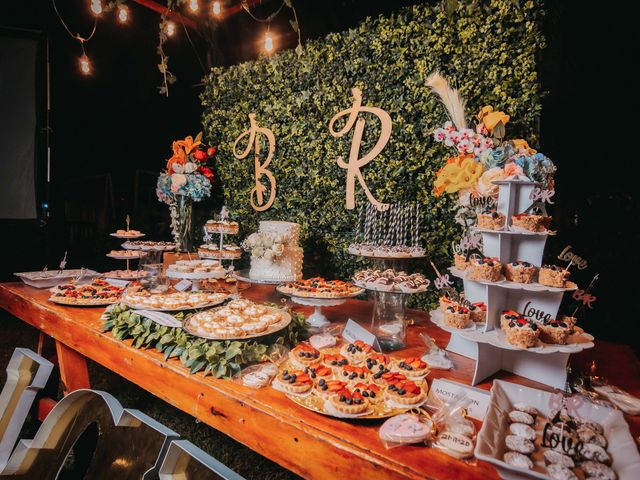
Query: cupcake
(491,220)
(478,312)
(457,316)
(531,222)
(520,272)
(554,331)
(460,261)
(508,316)
(553,276)
(522,333)
(488,269)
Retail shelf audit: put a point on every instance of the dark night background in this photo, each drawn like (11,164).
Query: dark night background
(111,132)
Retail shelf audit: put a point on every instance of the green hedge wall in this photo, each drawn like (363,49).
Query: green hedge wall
(487,49)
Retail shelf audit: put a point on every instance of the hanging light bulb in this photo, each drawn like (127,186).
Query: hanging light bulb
(216,8)
(96,7)
(170,28)
(268,42)
(193,5)
(85,64)
(123,13)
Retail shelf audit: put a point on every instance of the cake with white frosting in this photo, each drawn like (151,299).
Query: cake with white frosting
(275,253)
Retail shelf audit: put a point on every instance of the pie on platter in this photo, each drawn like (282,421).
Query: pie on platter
(237,320)
(347,396)
(318,287)
(98,293)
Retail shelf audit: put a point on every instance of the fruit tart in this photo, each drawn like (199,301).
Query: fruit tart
(326,388)
(353,373)
(304,355)
(405,392)
(478,312)
(387,378)
(378,362)
(412,367)
(295,381)
(348,402)
(319,372)
(335,361)
(370,391)
(356,352)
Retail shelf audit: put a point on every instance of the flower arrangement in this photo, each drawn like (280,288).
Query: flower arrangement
(482,156)
(265,245)
(186,179)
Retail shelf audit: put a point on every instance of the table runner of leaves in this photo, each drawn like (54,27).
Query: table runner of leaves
(222,359)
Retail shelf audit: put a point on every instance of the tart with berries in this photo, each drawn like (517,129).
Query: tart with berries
(318,372)
(354,373)
(522,333)
(348,402)
(304,355)
(491,220)
(387,378)
(377,362)
(370,391)
(405,392)
(412,367)
(520,272)
(356,352)
(478,312)
(553,276)
(335,361)
(508,316)
(326,388)
(295,381)
(484,269)
(457,316)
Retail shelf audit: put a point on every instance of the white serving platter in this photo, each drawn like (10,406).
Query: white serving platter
(51,278)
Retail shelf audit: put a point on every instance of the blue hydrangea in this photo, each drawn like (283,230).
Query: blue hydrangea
(197,188)
(537,167)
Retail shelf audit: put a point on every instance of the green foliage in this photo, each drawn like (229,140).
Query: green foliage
(487,49)
(222,359)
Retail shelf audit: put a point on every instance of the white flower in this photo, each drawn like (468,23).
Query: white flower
(258,252)
(269,255)
(190,167)
(178,180)
(466,133)
(278,249)
(440,134)
(465,146)
(448,125)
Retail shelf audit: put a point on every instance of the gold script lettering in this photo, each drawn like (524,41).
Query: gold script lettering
(355,164)
(260,169)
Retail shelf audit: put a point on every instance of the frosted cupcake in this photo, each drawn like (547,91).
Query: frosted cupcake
(553,276)
(522,333)
(488,269)
(520,272)
(491,220)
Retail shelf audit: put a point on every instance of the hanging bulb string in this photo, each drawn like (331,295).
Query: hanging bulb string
(262,20)
(76,36)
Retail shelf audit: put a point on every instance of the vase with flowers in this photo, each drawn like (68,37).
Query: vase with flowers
(186,179)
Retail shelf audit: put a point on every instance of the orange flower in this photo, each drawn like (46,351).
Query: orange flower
(189,143)
(490,118)
(521,144)
(179,156)
(459,173)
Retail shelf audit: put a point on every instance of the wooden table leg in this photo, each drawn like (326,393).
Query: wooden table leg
(73,369)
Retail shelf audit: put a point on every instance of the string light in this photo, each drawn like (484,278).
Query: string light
(96,7)
(170,28)
(268,42)
(193,5)
(216,9)
(85,64)
(123,13)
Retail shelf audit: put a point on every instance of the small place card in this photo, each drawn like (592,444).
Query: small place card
(182,285)
(118,283)
(160,318)
(446,390)
(353,331)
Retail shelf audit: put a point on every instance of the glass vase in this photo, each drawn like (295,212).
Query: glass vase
(182,230)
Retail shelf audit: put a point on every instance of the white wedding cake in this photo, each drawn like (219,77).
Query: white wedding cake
(275,253)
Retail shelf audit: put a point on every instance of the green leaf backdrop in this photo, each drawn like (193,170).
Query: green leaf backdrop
(487,49)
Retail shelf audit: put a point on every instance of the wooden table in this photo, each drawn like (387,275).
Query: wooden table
(309,444)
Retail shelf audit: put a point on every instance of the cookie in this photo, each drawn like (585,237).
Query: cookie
(516,416)
(591,451)
(551,456)
(560,472)
(598,470)
(519,444)
(522,430)
(516,459)
(463,427)
(523,407)
(595,426)
(456,445)
(587,435)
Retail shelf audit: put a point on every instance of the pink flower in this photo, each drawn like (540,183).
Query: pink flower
(440,134)
(477,140)
(513,169)
(466,133)
(449,126)
(488,143)
(481,129)
(465,146)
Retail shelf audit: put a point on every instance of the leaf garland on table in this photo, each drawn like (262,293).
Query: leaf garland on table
(222,359)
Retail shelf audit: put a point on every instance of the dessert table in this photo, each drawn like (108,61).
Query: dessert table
(309,444)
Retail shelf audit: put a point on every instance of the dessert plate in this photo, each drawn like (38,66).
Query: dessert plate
(51,278)
(135,254)
(304,296)
(577,342)
(83,302)
(276,327)
(124,235)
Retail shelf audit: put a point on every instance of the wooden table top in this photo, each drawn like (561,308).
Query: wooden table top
(309,444)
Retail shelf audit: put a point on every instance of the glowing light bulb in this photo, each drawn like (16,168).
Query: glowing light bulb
(193,5)
(123,13)
(170,28)
(85,65)
(268,42)
(216,9)
(96,7)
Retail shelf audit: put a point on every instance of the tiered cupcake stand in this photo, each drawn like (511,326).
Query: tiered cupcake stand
(486,343)
(140,253)
(221,231)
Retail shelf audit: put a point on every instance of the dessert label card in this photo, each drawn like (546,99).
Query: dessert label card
(118,283)
(446,391)
(182,285)
(353,331)
(160,318)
